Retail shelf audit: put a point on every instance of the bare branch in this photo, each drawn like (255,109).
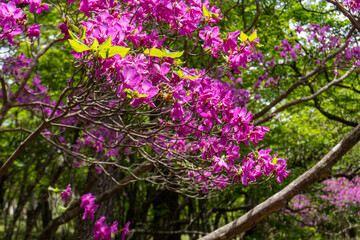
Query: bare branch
(305,99)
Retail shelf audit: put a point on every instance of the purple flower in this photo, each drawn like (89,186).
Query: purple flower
(125,231)
(65,30)
(230,41)
(33,31)
(66,193)
(102,231)
(112,152)
(88,204)
(247,173)
(219,164)
(36,5)
(210,35)
(280,170)
(299,29)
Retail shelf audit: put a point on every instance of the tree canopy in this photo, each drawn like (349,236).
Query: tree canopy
(179,119)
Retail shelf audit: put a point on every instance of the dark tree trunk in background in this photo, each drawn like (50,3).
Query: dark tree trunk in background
(165,216)
(97,184)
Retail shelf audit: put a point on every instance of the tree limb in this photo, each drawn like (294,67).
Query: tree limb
(305,99)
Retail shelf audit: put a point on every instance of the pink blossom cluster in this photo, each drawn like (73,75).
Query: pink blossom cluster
(102,231)
(239,54)
(341,193)
(88,204)
(266,81)
(310,212)
(252,167)
(288,50)
(13,19)
(197,104)
(353,5)
(183,17)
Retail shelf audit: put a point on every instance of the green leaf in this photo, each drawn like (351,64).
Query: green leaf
(154,52)
(243,37)
(94,45)
(51,189)
(61,208)
(131,94)
(172,54)
(74,28)
(83,34)
(253,36)
(206,13)
(117,50)
(73,36)
(78,46)
(181,75)
(106,45)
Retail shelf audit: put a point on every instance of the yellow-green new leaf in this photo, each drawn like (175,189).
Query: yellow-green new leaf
(206,13)
(154,52)
(73,36)
(181,75)
(118,50)
(274,161)
(94,45)
(78,46)
(253,36)
(243,37)
(83,34)
(173,54)
(61,208)
(107,44)
(131,94)
(51,189)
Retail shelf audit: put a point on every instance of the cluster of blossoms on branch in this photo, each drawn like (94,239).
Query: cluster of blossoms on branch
(102,231)
(194,104)
(353,5)
(13,19)
(135,95)
(339,193)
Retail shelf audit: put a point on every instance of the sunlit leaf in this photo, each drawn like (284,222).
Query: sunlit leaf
(73,36)
(94,45)
(78,46)
(243,37)
(83,34)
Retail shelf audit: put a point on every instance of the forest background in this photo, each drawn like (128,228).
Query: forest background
(298,77)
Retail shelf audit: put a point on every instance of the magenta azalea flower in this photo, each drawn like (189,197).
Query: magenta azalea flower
(66,193)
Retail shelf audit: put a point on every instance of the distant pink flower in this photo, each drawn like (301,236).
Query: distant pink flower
(299,29)
(66,193)
(125,231)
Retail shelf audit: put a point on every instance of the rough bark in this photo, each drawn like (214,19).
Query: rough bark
(280,199)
